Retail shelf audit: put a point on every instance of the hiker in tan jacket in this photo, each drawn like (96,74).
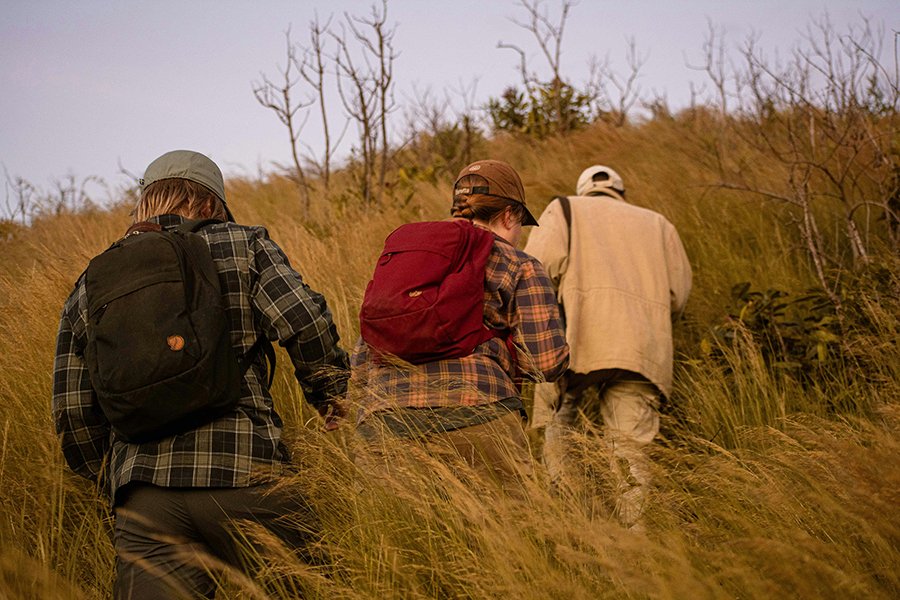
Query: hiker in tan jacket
(622,276)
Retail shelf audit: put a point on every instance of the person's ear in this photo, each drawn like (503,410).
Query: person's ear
(207,210)
(509,219)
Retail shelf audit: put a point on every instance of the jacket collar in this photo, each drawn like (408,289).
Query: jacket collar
(167,221)
(609,193)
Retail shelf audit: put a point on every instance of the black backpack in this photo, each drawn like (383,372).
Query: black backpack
(159,348)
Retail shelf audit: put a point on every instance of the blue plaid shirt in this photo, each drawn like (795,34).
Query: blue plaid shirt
(264,295)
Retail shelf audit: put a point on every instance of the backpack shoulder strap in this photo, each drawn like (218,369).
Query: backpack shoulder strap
(262,344)
(566,206)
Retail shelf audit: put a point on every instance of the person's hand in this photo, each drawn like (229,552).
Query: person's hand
(334,413)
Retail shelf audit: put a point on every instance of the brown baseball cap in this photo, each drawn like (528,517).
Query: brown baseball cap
(502,181)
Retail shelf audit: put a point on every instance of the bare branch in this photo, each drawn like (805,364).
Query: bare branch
(23,193)
(523,72)
(359,101)
(714,64)
(278,98)
(313,69)
(627,88)
(370,99)
(548,35)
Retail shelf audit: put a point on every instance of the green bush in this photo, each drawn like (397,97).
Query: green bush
(797,334)
(542,110)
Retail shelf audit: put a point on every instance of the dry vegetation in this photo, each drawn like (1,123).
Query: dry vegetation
(768,484)
(777,470)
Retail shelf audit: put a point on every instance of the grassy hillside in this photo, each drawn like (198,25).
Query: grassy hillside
(772,479)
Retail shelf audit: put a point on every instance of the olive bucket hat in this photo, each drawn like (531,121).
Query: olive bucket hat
(190,165)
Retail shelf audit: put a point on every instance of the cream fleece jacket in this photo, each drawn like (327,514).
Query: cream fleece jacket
(622,283)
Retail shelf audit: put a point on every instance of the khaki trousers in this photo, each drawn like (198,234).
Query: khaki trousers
(497,451)
(628,406)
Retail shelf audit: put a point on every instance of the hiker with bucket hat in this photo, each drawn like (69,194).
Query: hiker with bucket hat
(160,388)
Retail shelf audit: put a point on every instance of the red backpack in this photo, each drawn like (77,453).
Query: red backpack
(425,301)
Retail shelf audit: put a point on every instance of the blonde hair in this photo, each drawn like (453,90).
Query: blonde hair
(483,207)
(182,197)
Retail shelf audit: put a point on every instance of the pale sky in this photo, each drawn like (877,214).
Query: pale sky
(86,85)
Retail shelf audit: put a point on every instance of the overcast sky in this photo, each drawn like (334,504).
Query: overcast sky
(87,85)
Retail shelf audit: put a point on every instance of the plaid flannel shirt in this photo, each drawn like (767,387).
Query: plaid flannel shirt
(518,297)
(264,296)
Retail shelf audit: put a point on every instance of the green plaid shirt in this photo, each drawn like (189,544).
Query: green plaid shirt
(519,297)
(264,296)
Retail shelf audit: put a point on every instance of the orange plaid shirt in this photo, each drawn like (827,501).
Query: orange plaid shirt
(518,297)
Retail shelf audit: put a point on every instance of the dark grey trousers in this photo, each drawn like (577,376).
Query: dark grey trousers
(169,540)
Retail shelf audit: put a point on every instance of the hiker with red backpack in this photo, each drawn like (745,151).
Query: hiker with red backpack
(453,317)
(160,382)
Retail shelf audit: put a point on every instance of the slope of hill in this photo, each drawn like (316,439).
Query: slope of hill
(777,469)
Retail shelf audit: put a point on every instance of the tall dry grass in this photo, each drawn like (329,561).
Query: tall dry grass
(765,486)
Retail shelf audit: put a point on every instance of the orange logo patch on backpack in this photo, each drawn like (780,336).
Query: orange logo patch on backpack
(175,342)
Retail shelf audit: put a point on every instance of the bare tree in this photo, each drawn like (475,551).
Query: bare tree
(616,106)
(278,97)
(314,70)
(382,48)
(829,117)
(549,37)
(371,97)
(424,113)
(20,197)
(358,94)
(129,193)
(466,116)
(658,105)
(25,201)
(376,38)
(555,104)
(715,65)
(441,132)
(69,194)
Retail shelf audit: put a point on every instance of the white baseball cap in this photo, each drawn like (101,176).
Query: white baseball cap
(600,179)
